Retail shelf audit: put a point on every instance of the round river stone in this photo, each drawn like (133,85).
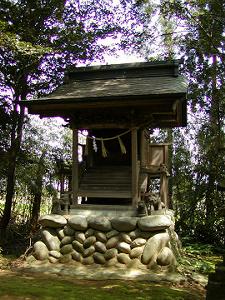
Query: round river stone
(89,251)
(136,252)
(65,259)
(123,247)
(89,232)
(111,262)
(123,258)
(80,236)
(66,249)
(88,260)
(89,241)
(78,246)
(125,237)
(60,233)
(76,256)
(112,233)
(110,253)
(138,242)
(112,243)
(68,230)
(99,258)
(67,240)
(101,236)
(100,247)
(52,260)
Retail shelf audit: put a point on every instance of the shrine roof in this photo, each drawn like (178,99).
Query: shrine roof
(113,85)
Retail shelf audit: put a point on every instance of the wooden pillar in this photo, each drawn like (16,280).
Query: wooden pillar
(164,189)
(134,166)
(143,149)
(75,172)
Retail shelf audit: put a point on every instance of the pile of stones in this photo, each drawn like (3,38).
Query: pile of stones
(122,241)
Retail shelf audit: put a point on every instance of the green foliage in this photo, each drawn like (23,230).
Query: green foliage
(195,31)
(200,258)
(199,249)
(54,288)
(38,41)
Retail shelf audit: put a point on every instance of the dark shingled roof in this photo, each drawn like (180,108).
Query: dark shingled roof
(78,90)
(136,84)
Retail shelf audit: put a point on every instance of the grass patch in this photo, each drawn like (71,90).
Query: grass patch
(18,286)
(200,257)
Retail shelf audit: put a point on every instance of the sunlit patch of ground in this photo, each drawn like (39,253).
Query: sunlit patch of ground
(15,285)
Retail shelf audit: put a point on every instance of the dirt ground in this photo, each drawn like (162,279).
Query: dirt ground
(22,285)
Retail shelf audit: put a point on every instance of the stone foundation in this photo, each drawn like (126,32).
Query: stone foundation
(130,242)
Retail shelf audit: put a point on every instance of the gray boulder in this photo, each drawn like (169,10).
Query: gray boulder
(52,221)
(124,223)
(166,257)
(154,223)
(100,223)
(40,251)
(55,254)
(153,246)
(51,239)
(78,223)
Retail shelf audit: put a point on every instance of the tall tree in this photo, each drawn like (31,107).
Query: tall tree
(38,41)
(198,36)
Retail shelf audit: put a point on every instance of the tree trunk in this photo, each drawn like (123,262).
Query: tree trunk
(16,137)
(9,193)
(37,191)
(213,158)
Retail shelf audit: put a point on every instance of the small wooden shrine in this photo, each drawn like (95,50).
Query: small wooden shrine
(116,105)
